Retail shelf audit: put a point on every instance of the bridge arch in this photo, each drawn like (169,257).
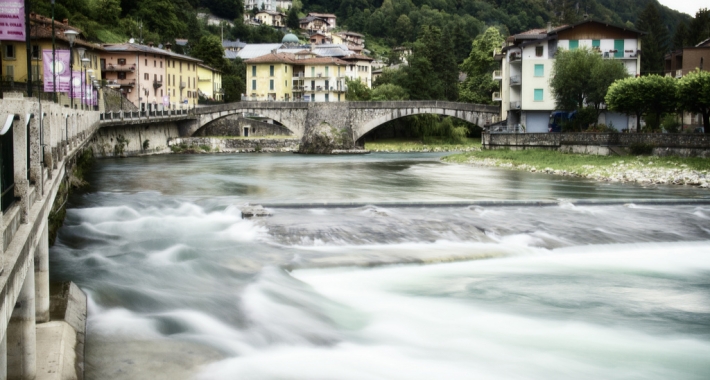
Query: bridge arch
(208,122)
(291,116)
(381,116)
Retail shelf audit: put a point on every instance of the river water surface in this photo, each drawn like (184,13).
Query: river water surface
(181,287)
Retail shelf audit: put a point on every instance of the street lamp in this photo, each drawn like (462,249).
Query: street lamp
(84,62)
(81,51)
(71,35)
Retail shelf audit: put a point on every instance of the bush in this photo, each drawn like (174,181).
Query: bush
(641,149)
(671,124)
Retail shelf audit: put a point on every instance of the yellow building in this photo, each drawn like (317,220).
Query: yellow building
(181,75)
(269,77)
(14,60)
(209,82)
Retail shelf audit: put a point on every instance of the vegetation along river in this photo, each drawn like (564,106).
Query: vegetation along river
(181,287)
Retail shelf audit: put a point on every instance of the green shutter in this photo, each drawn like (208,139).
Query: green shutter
(253,84)
(271,70)
(619,47)
(271,84)
(595,44)
(539,70)
(538,95)
(253,71)
(573,44)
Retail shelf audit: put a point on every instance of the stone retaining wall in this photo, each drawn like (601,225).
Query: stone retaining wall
(234,126)
(664,144)
(226,145)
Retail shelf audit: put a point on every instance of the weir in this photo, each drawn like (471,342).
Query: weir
(39,144)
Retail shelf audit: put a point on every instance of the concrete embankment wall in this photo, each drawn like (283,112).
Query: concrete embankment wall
(233,145)
(134,140)
(662,144)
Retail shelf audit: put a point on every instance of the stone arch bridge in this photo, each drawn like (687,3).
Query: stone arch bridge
(357,117)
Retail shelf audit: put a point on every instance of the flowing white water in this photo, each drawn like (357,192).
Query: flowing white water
(181,287)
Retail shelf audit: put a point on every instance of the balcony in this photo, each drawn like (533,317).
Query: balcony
(121,83)
(116,68)
(516,57)
(297,88)
(515,80)
(157,83)
(514,105)
(616,54)
(496,97)
(182,85)
(497,75)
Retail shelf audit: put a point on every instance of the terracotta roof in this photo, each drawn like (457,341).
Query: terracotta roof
(129,47)
(320,60)
(41,28)
(273,58)
(322,14)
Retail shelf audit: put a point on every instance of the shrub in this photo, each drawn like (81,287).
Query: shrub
(641,149)
(670,123)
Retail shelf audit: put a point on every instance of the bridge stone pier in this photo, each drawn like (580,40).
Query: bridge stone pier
(37,143)
(357,117)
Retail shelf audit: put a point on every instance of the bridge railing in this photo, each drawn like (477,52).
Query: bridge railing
(137,115)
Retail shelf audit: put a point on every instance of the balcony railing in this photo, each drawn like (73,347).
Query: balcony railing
(514,105)
(121,83)
(496,97)
(157,83)
(183,85)
(515,57)
(497,75)
(123,68)
(515,80)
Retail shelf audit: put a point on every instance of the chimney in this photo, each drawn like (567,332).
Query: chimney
(168,46)
(549,27)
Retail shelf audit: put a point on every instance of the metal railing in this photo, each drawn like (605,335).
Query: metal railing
(112,67)
(515,80)
(514,105)
(133,115)
(497,75)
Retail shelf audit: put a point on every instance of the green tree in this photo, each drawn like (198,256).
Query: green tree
(229,9)
(292,19)
(209,50)
(651,95)
(694,95)
(479,67)
(680,38)
(403,29)
(108,11)
(357,91)
(655,42)
(604,73)
(389,92)
(699,28)
(569,88)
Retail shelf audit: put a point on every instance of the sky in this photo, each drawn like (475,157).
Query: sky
(686,6)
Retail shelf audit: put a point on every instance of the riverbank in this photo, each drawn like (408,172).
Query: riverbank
(642,169)
(432,145)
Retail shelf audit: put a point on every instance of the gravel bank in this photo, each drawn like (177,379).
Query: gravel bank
(639,171)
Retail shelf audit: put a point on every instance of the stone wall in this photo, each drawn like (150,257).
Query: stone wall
(234,126)
(133,140)
(113,103)
(663,144)
(235,145)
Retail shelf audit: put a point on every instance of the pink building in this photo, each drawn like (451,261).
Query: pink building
(137,70)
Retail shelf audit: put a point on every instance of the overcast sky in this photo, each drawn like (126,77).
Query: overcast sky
(686,6)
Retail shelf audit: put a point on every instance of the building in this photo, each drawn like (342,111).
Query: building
(150,77)
(526,64)
(319,38)
(296,77)
(352,39)
(359,67)
(328,17)
(271,18)
(284,5)
(681,62)
(209,82)
(13,62)
(314,24)
(259,4)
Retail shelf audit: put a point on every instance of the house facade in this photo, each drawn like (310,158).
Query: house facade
(526,65)
(328,17)
(268,5)
(13,64)
(681,62)
(271,18)
(209,82)
(314,24)
(359,67)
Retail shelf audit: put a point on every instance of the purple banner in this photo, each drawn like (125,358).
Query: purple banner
(61,69)
(76,85)
(12,20)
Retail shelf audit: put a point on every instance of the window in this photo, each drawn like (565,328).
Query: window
(285,83)
(271,70)
(161,64)
(285,69)
(313,71)
(35,52)
(155,64)
(539,70)
(253,71)
(146,76)
(596,45)
(271,84)
(538,95)
(180,66)
(253,84)
(10,52)
(619,48)
(121,75)
(326,84)
(10,72)
(573,44)
(539,50)
(326,72)
(121,61)
(146,62)
(327,98)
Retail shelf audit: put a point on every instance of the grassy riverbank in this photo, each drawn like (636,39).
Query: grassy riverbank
(643,169)
(432,145)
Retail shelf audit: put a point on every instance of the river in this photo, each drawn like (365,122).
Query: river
(181,287)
